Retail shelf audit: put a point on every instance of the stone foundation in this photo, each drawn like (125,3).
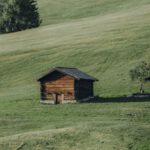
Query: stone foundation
(53,102)
(65,101)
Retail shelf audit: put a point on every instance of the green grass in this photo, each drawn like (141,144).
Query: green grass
(74,126)
(105,38)
(57,11)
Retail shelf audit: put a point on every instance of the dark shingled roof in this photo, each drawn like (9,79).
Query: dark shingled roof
(74,72)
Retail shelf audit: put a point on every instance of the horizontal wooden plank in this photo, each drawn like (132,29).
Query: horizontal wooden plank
(60,83)
(59,86)
(51,92)
(65,82)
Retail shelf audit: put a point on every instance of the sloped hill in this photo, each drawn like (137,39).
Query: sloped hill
(58,11)
(105,38)
(106,46)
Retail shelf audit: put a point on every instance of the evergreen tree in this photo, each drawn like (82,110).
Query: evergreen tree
(19,15)
(1,5)
(1,8)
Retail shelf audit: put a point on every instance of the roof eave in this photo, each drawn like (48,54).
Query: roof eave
(59,70)
(89,79)
(39,79)
(56,69)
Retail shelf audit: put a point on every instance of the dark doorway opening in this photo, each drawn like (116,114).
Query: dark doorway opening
(59,98)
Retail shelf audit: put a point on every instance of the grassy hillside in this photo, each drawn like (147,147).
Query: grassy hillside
(105,38)
(106,46)
(65,10)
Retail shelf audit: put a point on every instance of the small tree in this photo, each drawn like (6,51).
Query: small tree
(17,15)
(140,73)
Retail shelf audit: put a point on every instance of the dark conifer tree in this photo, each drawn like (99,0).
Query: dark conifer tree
(19,15)
(1,9)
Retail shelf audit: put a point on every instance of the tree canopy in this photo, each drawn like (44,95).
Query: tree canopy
(140,73)
(17,15)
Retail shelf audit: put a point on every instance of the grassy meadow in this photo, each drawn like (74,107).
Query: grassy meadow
(105,38)
(25,124)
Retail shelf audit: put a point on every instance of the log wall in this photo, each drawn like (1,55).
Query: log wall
(58,83)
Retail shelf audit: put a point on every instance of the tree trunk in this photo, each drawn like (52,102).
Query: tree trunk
(141,89)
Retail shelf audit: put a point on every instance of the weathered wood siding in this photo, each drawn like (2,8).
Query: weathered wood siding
(57,83)
(83,89)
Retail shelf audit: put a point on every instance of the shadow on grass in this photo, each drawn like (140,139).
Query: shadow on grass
(133,98)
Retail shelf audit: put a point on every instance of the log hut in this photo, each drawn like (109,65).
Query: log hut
(63,85)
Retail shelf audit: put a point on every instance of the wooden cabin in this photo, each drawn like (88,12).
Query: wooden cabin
(63,85)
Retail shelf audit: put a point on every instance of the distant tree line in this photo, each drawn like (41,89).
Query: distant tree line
(17,15)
